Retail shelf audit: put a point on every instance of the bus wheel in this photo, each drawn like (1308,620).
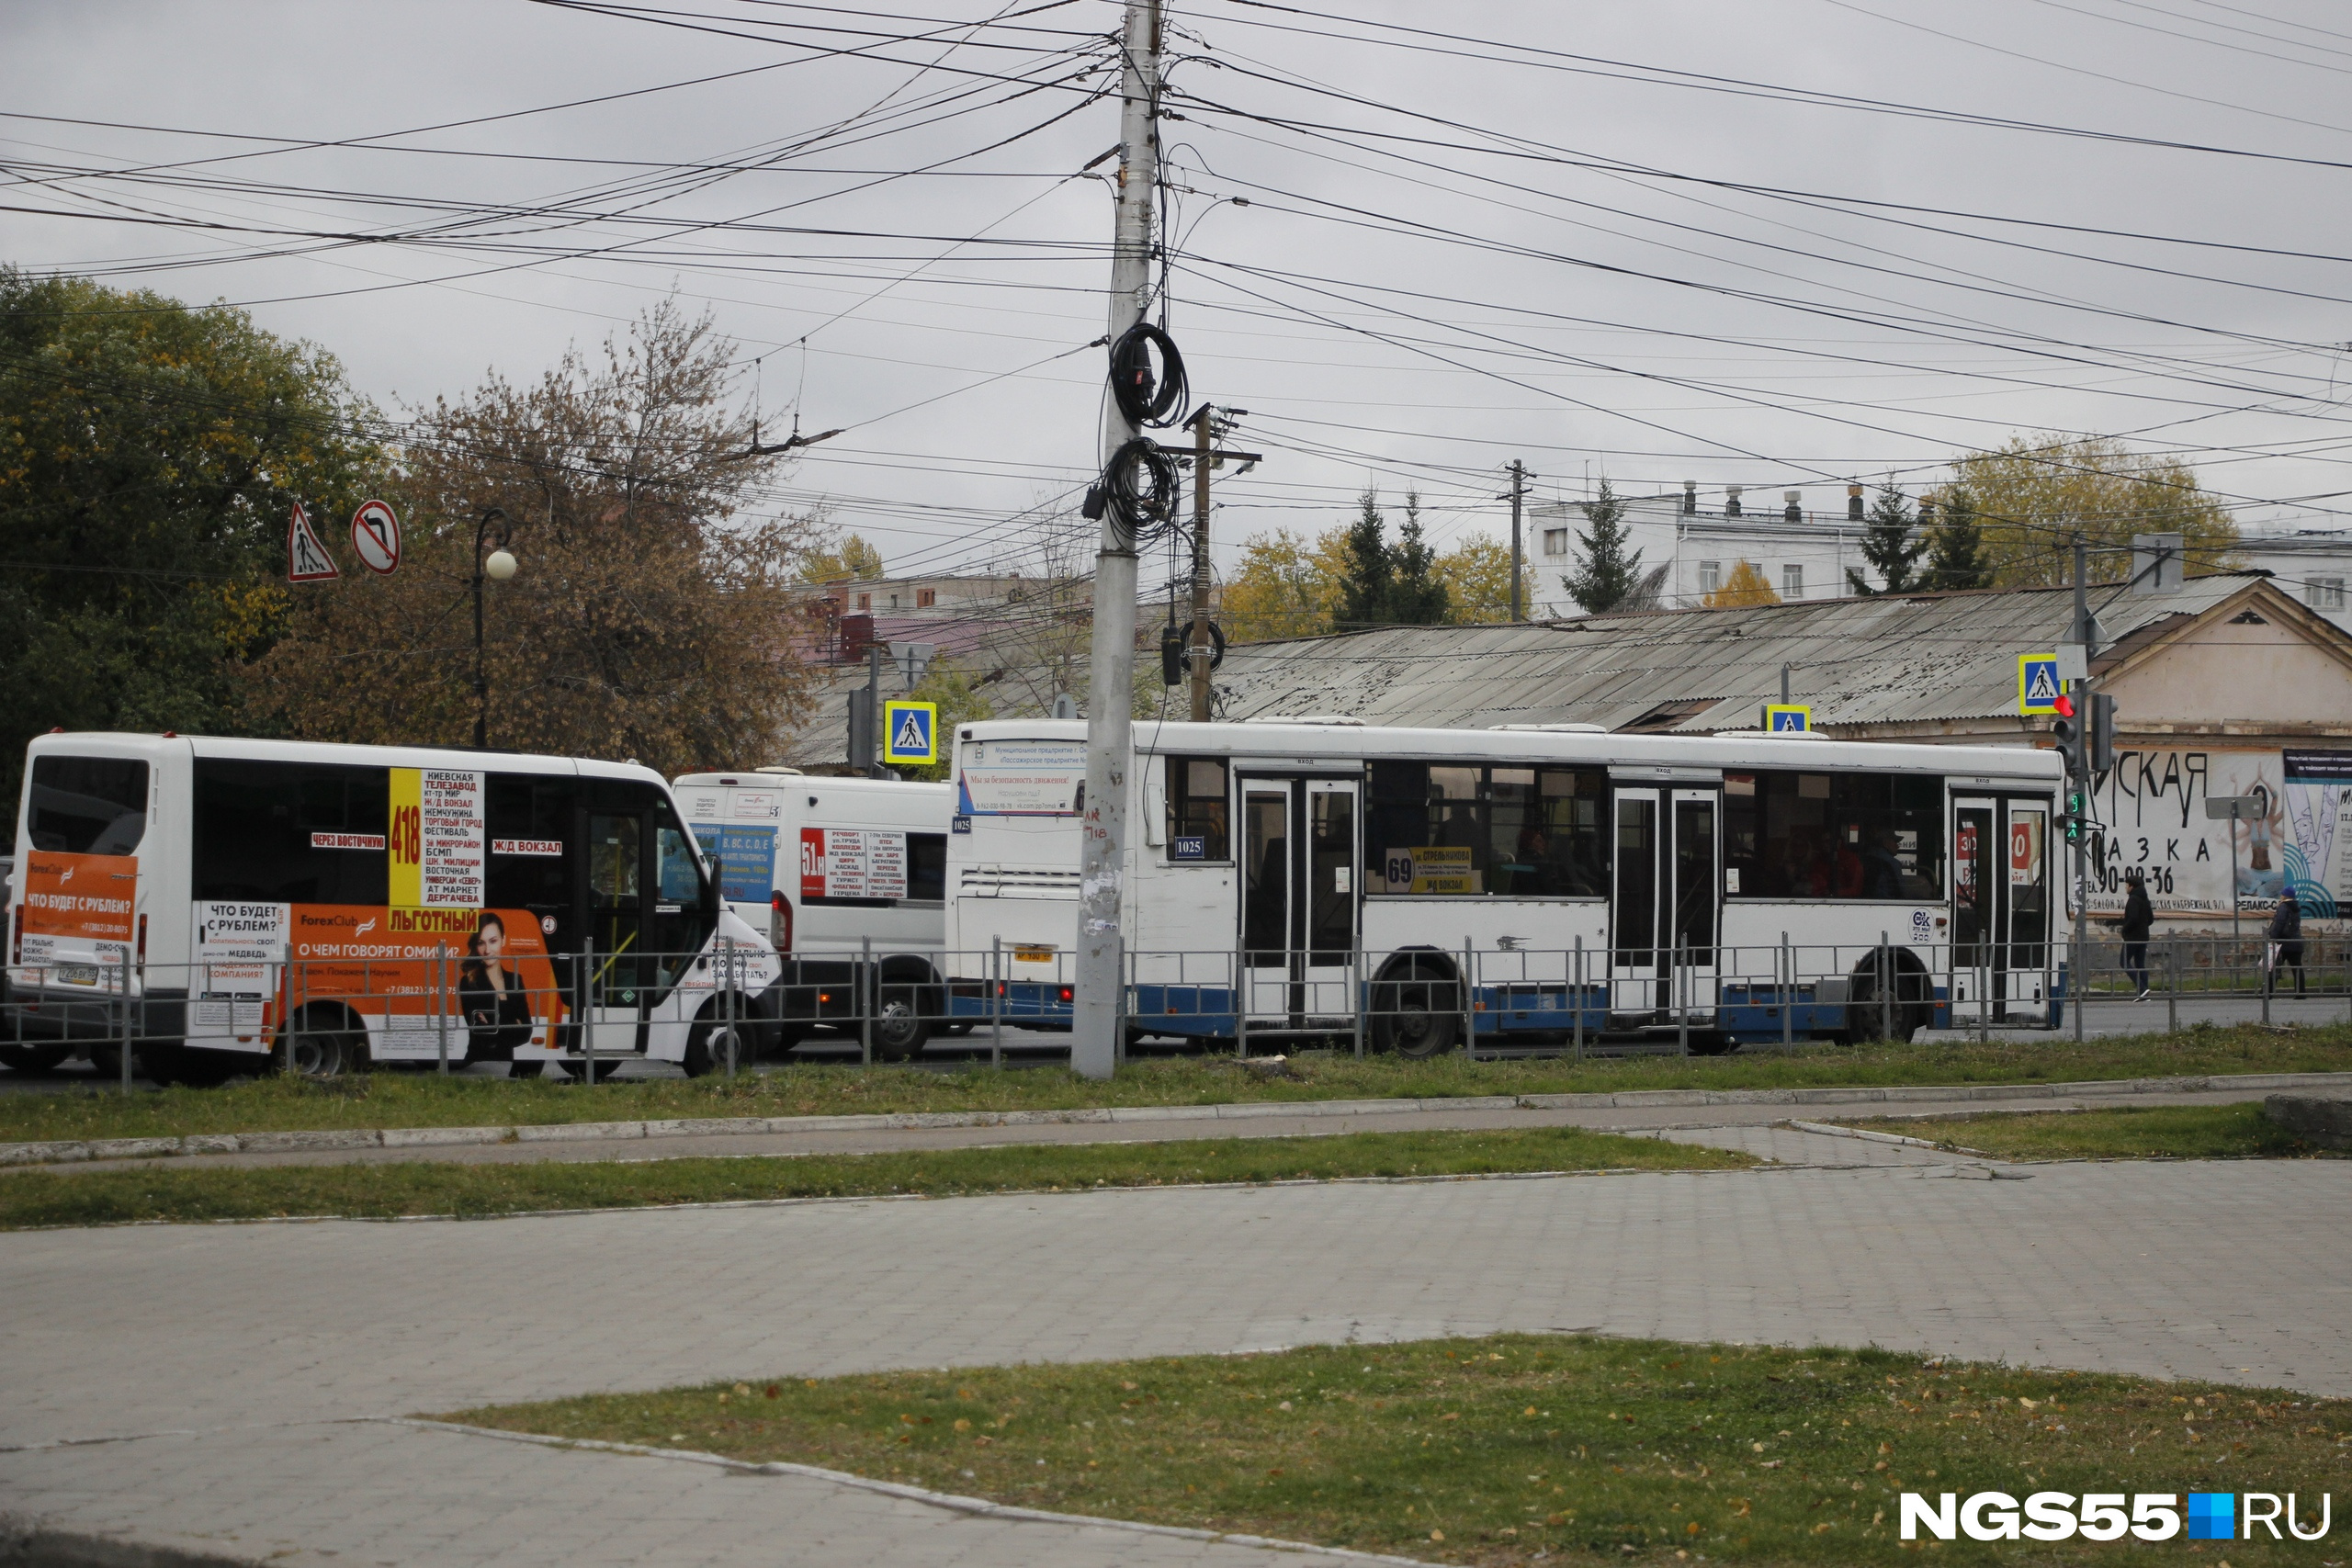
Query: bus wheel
(326,1046)
(899,1030)
(1414,1014)
(706,1049)
(32,1059)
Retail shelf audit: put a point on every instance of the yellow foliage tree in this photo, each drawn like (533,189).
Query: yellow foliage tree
(2031,496)
(1287,585)
(852,560)
(1745,587)
(1477,574)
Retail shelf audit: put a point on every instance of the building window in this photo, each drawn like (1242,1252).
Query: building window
(1711,576)
(1556,542)
(1793,581)
(865,601)
(926,597)
(2323,592)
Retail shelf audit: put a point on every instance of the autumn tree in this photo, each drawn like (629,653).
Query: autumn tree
(1476,575)
(1606,576)
(652,610)
(150,456)
(1890,546)
(850,560)
(1285,585)
(1746,587)
(2030,498)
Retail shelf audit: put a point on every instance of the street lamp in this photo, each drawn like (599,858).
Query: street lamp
(498,567)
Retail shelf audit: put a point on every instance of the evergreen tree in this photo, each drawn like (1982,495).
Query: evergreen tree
(1363,595)
(1606,576)
(1887,545)
(1390,585)
(1955,558)
(1416,595)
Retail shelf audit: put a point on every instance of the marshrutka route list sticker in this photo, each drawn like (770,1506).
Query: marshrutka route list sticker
(439,841)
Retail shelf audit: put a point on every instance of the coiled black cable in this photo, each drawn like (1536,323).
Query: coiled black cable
(1143,399)
(1140,505)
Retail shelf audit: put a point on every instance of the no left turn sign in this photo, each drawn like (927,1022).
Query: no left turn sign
(376,536)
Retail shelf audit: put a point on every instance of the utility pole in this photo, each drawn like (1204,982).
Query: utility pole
(1098,1014)
(1198,663)
(1518,493)
(2078,775)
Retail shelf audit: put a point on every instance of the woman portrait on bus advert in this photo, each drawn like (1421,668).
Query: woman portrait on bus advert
(496,1006)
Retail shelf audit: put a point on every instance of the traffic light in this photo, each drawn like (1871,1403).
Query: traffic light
(2076,800)
(2101,735)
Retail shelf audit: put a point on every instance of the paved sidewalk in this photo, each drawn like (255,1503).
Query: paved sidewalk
(238,1330)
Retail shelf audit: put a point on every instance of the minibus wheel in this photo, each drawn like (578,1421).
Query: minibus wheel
(899,1029)
(1413,1012)
(706,1049)
(327,1044)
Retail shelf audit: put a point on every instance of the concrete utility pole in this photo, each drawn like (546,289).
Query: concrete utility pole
(1099,1013)
(1518,493)
(2078,777)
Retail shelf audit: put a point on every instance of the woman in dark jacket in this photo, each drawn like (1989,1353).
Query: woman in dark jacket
(497,1009)
(2287,934)
(2138,918)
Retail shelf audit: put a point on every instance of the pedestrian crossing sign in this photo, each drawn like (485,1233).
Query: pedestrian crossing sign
(2038,684)
(910,732)
(1787,719)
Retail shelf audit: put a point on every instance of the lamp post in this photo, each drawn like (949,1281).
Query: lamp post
(499,567)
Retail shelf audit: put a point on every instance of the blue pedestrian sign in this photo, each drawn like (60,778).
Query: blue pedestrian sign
(1787,719)
(910,732)
(2038,682)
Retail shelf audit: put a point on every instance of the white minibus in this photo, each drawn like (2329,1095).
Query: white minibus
(848,877)
(1525,884)
(223,903)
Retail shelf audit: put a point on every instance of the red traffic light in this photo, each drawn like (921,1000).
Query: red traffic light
(2065,706)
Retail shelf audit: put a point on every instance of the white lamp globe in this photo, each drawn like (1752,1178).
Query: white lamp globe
(499,567)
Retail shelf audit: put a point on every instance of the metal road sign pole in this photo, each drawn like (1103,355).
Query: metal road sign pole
(1102,822)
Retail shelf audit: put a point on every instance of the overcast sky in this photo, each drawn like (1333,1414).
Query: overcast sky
(1455,252)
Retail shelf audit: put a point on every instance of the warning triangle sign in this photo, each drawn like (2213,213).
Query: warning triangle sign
(306,559)
(913,733)
(2042,684)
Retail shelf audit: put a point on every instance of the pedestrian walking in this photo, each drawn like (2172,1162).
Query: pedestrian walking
(2139,917)
(2285,940)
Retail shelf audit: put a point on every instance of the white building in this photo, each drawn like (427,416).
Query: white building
(1692,547)
(2311,565)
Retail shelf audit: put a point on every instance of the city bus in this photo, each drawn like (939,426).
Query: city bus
(848,875)
(1525,884)
(231,905)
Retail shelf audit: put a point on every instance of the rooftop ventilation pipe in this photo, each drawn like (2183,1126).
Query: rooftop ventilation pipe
(1792,506)
(1853,503)
(1731,500)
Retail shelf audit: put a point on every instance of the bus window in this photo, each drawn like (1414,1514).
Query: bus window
(1791,835)
(927,866)
(290,832)
(1516,831)
(532,836)
(87,805)
(681,877)
(1197,804)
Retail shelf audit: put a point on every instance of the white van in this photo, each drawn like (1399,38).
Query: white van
(837,871)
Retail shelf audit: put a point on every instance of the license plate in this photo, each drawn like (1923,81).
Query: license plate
(76,973)
(1033,955)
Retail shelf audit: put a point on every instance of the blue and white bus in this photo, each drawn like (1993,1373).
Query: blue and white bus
(1530,883)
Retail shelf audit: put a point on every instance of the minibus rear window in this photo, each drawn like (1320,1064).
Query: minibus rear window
(87,805)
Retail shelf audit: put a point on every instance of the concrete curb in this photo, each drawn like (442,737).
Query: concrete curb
(68,1151)
(980,1507)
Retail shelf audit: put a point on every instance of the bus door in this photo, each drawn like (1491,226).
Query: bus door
(1665,901)
(620,988)
(1299,899)
(2000,913)
(2024,906)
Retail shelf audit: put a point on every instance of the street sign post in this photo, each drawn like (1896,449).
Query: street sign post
(2234,809)
(1787,719)
(2038,683)
(910,732)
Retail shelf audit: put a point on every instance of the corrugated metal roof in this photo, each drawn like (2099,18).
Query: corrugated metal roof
(1858,661)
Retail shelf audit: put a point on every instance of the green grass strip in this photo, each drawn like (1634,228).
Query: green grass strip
(106,1197)
(407,1098)
(1499,1451)
(2156,1132)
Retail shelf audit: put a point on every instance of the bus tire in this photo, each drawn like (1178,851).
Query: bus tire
(900,1030)
(33,1059)
(328,1042)
(1911,1012)
(1414,1013)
